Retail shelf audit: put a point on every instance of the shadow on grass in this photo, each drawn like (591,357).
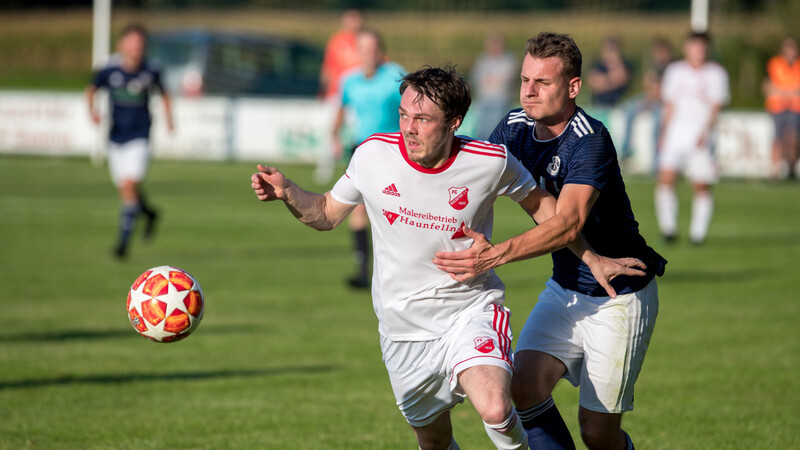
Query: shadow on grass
(73,335)
(184,376)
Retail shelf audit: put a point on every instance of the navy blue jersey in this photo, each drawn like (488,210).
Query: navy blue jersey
(583,154)
(129,93)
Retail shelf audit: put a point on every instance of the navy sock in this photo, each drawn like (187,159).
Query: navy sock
(144,205)
(127,221)
(545,427)
(629,442)
(362,250)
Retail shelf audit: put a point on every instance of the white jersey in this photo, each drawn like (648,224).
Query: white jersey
(693,93)
(415,212)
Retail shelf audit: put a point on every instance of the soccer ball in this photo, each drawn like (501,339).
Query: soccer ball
(165,304)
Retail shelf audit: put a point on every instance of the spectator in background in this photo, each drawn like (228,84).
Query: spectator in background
(610,75)
(694,90)
(130,79)
(341,53)
(661,56)
(782,89)
(371,93)
(493,77)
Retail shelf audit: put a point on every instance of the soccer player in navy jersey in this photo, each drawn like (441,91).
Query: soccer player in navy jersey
(576,331)
(129,79)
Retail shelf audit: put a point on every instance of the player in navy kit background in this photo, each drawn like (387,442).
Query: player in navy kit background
(129,79)
(575,331)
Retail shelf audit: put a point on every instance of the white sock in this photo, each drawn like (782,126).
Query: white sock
(702,210)
(509,435)
(667,210)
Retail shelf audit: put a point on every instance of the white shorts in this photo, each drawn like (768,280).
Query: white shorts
(129,161)
(696,163)
(424,374)
(601,340)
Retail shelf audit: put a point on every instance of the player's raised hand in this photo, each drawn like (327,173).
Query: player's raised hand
(606,269)
(269,184)
(469,263)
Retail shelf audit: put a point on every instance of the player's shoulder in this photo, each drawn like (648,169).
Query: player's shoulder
(677,67)
(481,149)
(152,65)
(716,69)
(516,122)
(381,140)
(582,126)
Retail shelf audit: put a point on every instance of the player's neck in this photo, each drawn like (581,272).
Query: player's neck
(131,65)
(446,151)
(551,127)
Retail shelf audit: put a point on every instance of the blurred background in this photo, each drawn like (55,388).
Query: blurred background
(259,52)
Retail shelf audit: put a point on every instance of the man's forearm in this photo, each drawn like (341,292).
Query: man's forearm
(549,236)
(308,207)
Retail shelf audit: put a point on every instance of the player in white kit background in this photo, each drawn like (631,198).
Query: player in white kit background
(694,91)
(441,339)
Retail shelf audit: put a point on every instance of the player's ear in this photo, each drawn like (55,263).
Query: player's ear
(574,87)
(455,123)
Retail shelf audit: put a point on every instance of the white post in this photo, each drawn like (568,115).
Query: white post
(101,46)
(101,32)
(699,20)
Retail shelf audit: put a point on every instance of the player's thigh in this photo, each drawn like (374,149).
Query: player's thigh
(701,167)
(599,427)
(488,389)
(129,160)
(422,393)
(670,161)
(551,329)
(616,336)
(535,376)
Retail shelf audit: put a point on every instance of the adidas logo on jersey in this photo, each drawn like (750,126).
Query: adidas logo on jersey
(391,190)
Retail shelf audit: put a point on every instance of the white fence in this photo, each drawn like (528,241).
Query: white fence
(271,130)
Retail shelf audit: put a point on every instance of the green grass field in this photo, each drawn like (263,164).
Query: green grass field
(288,357)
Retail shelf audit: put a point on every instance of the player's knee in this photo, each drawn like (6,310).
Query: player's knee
(596,437)
(495,412)
(434,442)
(529,391)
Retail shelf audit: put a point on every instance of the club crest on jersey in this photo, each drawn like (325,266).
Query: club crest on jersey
(554,166)
(390,216)
(458,197)
(484,344)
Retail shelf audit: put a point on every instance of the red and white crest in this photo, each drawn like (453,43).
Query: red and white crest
(484,344)
(390,216)
(458,197)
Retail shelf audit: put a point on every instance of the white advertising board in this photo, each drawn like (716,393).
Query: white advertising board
(298,130)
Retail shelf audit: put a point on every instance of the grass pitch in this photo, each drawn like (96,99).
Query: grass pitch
(288,357)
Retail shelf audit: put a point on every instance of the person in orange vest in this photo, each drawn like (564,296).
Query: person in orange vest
(782,90)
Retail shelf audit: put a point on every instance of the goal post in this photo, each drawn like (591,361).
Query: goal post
(101,48)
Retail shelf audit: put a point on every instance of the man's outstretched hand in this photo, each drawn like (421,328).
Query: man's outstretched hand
(269,184)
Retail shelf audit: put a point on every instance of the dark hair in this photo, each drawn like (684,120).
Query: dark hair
(134,28)
(444,86)
(548,44)
(700,36)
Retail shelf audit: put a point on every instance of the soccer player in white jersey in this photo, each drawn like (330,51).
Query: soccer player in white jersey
(423,189)
(694,90)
